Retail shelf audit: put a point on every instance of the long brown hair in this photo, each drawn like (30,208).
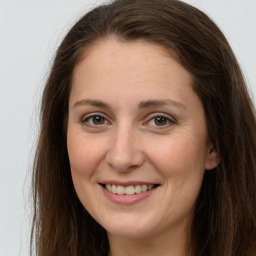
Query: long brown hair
(225,216)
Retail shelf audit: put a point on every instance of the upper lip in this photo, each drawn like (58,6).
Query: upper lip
(127,183)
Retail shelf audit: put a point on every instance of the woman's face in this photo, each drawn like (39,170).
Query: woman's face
(137,139)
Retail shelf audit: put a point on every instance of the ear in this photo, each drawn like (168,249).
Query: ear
(212,158)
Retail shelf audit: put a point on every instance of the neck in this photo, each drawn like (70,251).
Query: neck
(171,243)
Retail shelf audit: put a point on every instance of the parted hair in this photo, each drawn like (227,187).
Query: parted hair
(225,214)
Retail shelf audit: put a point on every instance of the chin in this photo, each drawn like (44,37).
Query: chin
(129,234)
(130,229)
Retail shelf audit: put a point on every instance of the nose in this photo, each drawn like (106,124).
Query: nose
(125,152)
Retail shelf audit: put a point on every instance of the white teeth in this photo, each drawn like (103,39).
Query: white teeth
(128,190)
(113,189)
(120,190)
(144,188)
(138,189)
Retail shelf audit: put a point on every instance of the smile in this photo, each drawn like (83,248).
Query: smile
(128,190)
(128,194)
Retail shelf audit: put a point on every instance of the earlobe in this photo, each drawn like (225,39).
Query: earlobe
(212,159)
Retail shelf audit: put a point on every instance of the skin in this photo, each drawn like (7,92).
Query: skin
(128,143)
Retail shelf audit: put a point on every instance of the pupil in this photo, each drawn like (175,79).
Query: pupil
(98,120)
(160,120)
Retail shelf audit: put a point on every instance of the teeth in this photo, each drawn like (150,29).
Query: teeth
(120,190)
(138,189)
(144,188)
(150,187)
(112,188)
(128,190)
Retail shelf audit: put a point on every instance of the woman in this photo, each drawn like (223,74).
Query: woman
(148,138)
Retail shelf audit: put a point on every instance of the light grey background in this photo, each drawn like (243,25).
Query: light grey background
(30,32)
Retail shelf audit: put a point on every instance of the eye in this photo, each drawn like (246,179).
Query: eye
(160,120)
(94,120)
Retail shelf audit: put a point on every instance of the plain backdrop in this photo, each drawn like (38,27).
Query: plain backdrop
(30,32)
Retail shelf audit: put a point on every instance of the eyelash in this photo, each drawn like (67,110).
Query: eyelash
(166,118)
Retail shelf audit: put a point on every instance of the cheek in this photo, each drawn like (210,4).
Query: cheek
(84,154)
(182,165)
(178,156)
(84,157)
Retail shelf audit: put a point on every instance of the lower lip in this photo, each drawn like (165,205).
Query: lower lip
(127,199)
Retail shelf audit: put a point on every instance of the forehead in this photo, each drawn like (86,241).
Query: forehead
(130,63)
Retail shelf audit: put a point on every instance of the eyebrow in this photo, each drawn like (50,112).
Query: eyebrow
(142,105)
(95,103)
(161,103)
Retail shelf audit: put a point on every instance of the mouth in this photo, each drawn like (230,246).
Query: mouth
(130,189)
